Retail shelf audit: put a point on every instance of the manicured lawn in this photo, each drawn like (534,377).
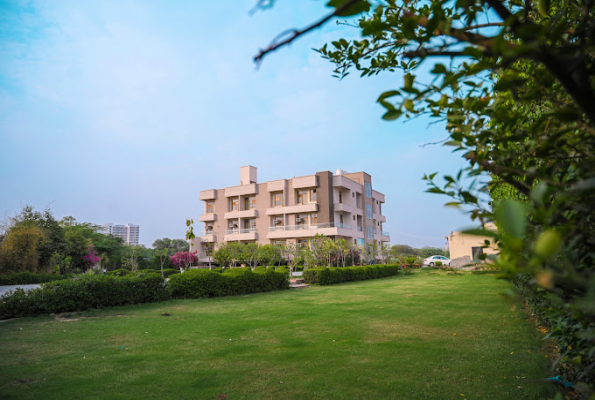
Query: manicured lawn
(428,335)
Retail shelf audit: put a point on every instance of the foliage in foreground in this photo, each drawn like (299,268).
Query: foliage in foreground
(329,276)
(517,98)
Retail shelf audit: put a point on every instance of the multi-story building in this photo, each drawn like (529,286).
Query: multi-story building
(127,232)
(343,205)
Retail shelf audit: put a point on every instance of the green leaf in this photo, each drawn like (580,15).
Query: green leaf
(386,95)
(392,115)
(544,7)
(511,217)
(439,69)
(548,243)
(357,8)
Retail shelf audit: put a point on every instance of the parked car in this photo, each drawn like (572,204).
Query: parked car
(431,261)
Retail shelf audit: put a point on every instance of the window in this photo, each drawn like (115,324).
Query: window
(278,200)
(250,224)
(314,219)
(278,222)
(279,242)
(208,229)
(354,217)
(302,196)
(210,207)
(209,249)
(235,204)
(250,203)
(340,196)
(476,251)
(302,243)
(370,231)
(368,189)
(341,218)
(352,194)
(369,213)
(313,195)
(360,242)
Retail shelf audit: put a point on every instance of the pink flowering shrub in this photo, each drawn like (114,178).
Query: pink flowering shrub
(184,259)
(91,258)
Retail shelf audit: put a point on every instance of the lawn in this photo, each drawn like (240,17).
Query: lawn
(428,335)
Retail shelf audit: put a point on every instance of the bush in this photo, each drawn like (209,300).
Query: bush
(331,275)
(197,283)
(28,278)
(410,260)
(438,263)
(84,292)
(118,272)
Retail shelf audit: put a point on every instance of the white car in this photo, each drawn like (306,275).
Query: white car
(431,261)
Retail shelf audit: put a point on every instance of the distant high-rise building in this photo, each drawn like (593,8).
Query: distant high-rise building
(128,232)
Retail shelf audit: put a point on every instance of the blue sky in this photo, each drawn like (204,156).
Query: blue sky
(122,111)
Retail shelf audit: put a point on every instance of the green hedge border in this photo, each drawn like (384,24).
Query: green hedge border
(333,275)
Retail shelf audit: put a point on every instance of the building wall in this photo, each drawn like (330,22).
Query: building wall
(461,245)
(328,212)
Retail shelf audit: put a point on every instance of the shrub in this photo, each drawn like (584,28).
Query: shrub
(118,272)
(331,275)
(410,260)
(84,292)
(196,284)
(28,278)
(438,263)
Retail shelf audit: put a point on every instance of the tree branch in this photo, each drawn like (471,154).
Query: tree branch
(483,25)
(297,33)
(500,9)
(498,170)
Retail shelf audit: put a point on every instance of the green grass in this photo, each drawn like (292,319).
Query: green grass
(391,338)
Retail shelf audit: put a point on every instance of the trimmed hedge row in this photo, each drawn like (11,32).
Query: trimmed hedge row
(199,283)
(29,278)
(84,292)
(331,275)
(125,272)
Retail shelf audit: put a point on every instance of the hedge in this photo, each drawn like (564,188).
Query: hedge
(198,283)
(124,272)
(84,292)
(28,278)
(331,275)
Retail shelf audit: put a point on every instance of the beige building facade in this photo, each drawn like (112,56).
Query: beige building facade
(465,245)
(342,205)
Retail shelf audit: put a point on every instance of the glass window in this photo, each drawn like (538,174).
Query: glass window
(301,243)
(278,222)
(314,219)
(210,207)
(313,195)
(360,242)
(234,204)
(370,231)
(368,189)
(369,213)
(278,200)
(250,202)
(340,196)
(302,197)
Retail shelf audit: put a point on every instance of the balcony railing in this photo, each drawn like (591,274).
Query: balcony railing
(385,233)
(308,226)
(360,229)
(236,230)
(205,233)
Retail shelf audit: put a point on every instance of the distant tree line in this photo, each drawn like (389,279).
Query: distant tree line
(35,241)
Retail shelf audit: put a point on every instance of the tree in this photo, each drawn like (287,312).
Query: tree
(516,96)
(316,252)
(251,253)
(184,259)
(222,255)
(190,233)
(343,249)
(19,249)
(174,245)
(271,254)
(385,252)
(163,257)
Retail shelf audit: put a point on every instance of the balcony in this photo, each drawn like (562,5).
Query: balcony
(382,237)
(301,208)
(304,182)
(344,182)
(252,213)
(208,217)
(240,190)
(276,186)
(379,218)
(235,234)
(207,236)
(305,230)
(342,207)
(210,194)
(378,196)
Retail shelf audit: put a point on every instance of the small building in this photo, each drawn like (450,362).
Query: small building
(471,246)
(129,232)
